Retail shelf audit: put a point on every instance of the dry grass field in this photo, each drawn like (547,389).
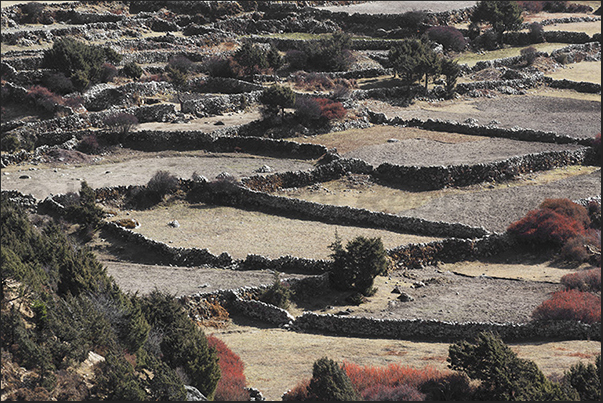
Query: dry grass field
(583,71)
(240,232)
(276,359)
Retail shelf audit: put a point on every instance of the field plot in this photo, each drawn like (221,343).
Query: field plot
(137,169)
(428,152)
(240,232)
(359,191)
(584,71)
(260,348)
(566,116)
(495,209)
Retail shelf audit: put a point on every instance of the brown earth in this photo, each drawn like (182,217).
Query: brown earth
(565,116)
(398,7)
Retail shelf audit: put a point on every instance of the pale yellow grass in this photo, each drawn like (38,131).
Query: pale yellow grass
(242,232)
(350,140)
(529,272)
(583,71)
(276,360)
(558,93)
(12,3)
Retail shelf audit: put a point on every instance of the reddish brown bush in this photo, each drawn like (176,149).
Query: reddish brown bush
(596,144)
(299,392)
(546,226)
(330,109)
(584,280)
(569,209)
(43,98)
(231,386)
(89,145)
(402,393)
(570,305)
(531,6)
(365,377)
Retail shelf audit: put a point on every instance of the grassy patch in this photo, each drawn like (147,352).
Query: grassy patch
(583,71)
(558,93)
(240,232)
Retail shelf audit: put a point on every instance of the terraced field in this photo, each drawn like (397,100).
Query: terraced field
(506,287)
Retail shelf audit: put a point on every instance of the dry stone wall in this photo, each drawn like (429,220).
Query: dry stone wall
(212,105)
(419,329)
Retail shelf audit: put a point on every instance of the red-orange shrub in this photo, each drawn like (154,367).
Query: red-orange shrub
(570,305)
(569,209)
(231,386)
(546,226)
(44,98)
(584,280)
(299,392)
(365,377)
(331,109)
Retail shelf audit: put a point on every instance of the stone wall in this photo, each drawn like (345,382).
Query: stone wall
(245,198)
(419,329)
(222,140)
(514,133)
(212,105)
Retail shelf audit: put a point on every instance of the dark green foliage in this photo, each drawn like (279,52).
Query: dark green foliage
(132,70)
(330,383)
(502,15)
(451,71)
(412,58)
(78,308)
(586,379)
(503,375)
(182,343)
(356,266)
(278,295)
(278,97)
(453,387)
(115,380)
(86,211)
(178,69)
(275,60)
(11,143)
(82,63)
(328,54)
(251,58)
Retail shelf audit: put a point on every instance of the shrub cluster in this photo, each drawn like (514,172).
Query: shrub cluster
(559,223)
(231,386)
(320,82)
(149,344)
(325,109)
(82,63)
(43,99)
(328,54)
(570,305)
(449,37)
(248,60)
(584,280)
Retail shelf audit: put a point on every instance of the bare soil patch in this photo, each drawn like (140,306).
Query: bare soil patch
(565,116)
(431,152)
(351,140)
(135,168)
(495,209)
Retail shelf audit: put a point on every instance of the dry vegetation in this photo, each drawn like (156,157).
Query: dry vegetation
(240,232)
